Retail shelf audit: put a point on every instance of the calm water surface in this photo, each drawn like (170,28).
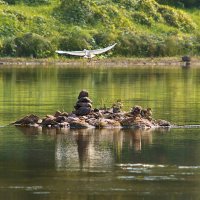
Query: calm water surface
(100,164)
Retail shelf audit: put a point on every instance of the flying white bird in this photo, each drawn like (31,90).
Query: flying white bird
(87,53)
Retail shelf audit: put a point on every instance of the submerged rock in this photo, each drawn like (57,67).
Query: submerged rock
(79,124)
(161,122)
(27,120)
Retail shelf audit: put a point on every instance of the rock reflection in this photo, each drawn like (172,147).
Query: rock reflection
(137,138)
(85,149)
(90,149)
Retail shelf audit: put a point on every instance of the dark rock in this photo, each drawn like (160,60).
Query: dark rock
(84,100)
(129,121)
(79,124)
(162,122)
(83,104)
(29,119)
(64,124)
(136,122)
(83,93)
(49,121)
(83,111)
(107,123)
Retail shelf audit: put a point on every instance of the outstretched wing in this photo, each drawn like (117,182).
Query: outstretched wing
(73,53)
(99,51)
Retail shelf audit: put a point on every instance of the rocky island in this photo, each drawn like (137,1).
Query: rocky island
(85,116)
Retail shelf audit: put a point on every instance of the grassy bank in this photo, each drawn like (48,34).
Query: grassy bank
(141,28)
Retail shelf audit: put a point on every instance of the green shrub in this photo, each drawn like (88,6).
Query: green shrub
(77,39)
(142,18)
(149,7)
(28,2)
(105,38)
(134,44)
(3,2)
(8,47)
(181,3)
(33,45)
(12,13)
(76,11)
(176,18)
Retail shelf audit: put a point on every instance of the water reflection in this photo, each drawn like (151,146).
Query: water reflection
(86,149)
(37,90)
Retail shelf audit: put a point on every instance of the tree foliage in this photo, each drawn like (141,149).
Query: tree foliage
(29,2)
(140,27)
(181,3)
(28,45)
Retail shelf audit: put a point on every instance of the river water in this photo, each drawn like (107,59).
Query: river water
(95,164)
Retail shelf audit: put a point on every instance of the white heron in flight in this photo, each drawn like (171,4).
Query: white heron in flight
(87,53)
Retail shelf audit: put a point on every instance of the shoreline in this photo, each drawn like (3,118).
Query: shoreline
(114,61)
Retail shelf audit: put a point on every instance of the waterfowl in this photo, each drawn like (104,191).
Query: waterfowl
(87,53)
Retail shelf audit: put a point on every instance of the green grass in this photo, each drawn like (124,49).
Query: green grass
(140,30)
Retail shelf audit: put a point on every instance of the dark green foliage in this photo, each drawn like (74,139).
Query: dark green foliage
(77,39)
(140,27)
(9,47)
(28,45)
(104,38)
(176,18)
(133,44)
(20,17)
(142,18)
(181,3)
(76,11)
(3,2)
(33,45)
(29,2)
(144,45)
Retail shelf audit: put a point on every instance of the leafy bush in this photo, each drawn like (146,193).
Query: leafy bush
(181,3)
(34,45)
(3,2)
(76,11)
(176,18)
(105,38)
(134,44)
(28,45)
(8,47)
(29,2)
(8,25)
(12,13)
(142,18)
(77,39)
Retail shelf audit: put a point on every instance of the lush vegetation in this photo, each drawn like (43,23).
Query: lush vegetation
(36,28)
